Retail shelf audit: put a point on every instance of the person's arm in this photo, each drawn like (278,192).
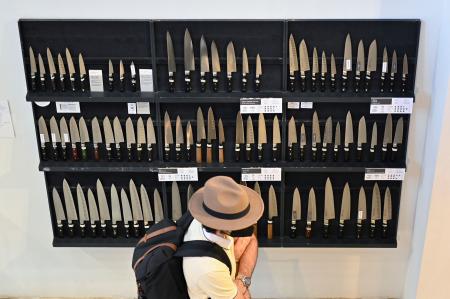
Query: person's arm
(246,252)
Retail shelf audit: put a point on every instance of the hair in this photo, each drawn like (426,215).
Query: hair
(209,229)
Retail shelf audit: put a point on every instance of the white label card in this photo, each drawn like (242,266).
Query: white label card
(261,105)
(384,174)
(96,80)
(293,105)
(272,174)
(143,107)
(186,174)
(391,105)
(132,108)
(146,79)
(68,107)
(306,105)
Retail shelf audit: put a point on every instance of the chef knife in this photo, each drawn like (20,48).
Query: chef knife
(373,140)
(204,63)
(176,202)
(337,140)
(387,211)
(116,213)
(168,136)
(96,137)
(121,76)
(42,71)
(136,207)
(262,136)
(126,212)
(212,136)
(257,189)
(405,73)
(393,72)
(384,70)
(371,63)
(190,191)
(376,209)
(329,213)
(51,69)
(179,138)
(302,141)
(59,212)
(215,63)
(360,66)
(323,72)
(71,68)
(84,137)
(347,65)
(315,136)
(83,74)
(109,136)
(151,138)
(141,137)
(292,138)
(258,73)
(146,208)
(110,75)
(276,139)
(33,69)
(273,212)
(201,134)
(327,137)
(245,70)
(296,213)
(231,65)
(398,139)
(65,137)
(345,209)
(315,70)
(221,141)
(387,137)
(56,137)
(103,206)
(293,62)
(239,136)
(189,62)
(93,213)
(304,64)
(333,73)
(133,76)
(62,73)
(171,66)
(189,141)
(74,138)
(362,212)
(70,207)
(159,213)
(250,140)
(312,213)
(362,137)
(82,210)
(348,139)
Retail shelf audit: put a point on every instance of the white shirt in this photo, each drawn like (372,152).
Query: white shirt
(206,277)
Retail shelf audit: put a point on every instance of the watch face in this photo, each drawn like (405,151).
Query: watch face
(247,281)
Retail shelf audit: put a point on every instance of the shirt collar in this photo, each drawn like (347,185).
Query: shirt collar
(225,243)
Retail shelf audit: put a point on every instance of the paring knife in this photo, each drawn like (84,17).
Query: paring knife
(176,202)
(323,72)
(204,63)
(201,135)
(179,138)
(393,72)
(276,139)
(293,62)
(70,207)
(71,68)
(168,136)
(348,139)
(231,66)
(315,70)
(159,213)
(109,136)
(327,137)
(116,213)
(371,63)
(250,139)
(62,73)
(146,207)
(312,213)
(126,212)
(387,211)
(51,69)
(362,212)
(245,70)
(215,63)
(189,141)
(296,213)
(211,137)
(329,212)
(373,141)
(257,189)
(151,138)
(337,140)
(304,64)
(302,141)
(59,212)
(376,209)
(405,73)
(345,209)
(360,66)
(384,70)
(262,136)
(387,137)
(273,212)
(239,136)
(56,137)
(292,138)
(83,74)
(398,139)
(189,62)
(141,137)
(347,66)
(82,210)
(258,73)
(42,72)
(121,76)
(103,206)
(315,136)
(221,141)
(133,76)
(362,137)
(74,138)
(171,66)
(65,136)
(136,208)
(110,75)
(333,73)
(96,137)
(84,137)
(33,68)
(93,213)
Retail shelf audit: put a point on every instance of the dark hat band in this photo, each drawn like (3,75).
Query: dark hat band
(227,216)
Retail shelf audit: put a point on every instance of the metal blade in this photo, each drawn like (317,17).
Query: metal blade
(231,58)
(116,213)
(176,202)
(74,133)
(126,209)
(250,133)
(315,67)
(257,188)
(324,68)
(258,71)
(69,203)
(262,135)
(33,67)
(376,203)
(110,69)
(146,207)
(81,65)
(333,65)
(93,210)
(276,133)
(54,130)
(292,132)
(337,135)
(244,62)
(190,191)
(70,62)
(96,133)
(372,57)
(201,134)
(293,58)
(171,66)
(362,211)
(168,136)
(215,59)
(239,129)
(61,67)
(107,130)
(405,65)
(273,207)
(398,137)
(348,129)
(84,134)
(362,131)
(189,62)
(387,209)
(59,210)
(302,135)
(296,206)
(43,132)
(394,63)
(102,202)
(151,137)
(121,70)
(304,59)
(221,132)
(329,201)
(64,130)
(51,63)
(374,138)
(328,132)
(159,213)
(385,62)
(136,208)
(312,210)
(348,54)
(41,65)
(141,137)
(129,131)
(387,137)
(346,202)
(189,134)
(179,136)
(204,58)
(211,126)
(316,138)
(360,58)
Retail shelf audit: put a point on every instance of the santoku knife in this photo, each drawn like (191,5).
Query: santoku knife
(33,68)
(179,138)
(231,66)
(189,62)
(141,138)
(51,69)
(262,136)
(296,213)
(360,66)
(159,213)
(189,141)
(71,68)
(304,64)
(70,207)
(146,207)
(204,63)
(387,137)
(103,207)
(239,136)
(171,66)
(348,139)
(323,72)
(126,212)
(315,70)
(276,139)
(211,137)
(116,213)
(373,141)
(82,210)
(371,64)
(245,70)
(136,208)
(333,73)
(273,212)
(93,213)
(327,137)
(345,209)
(59,212)
(347,65)
(83,74)
(362,137)
(96,137)
(84,137)
(315,136)
(74,138)
(329,212)
(292,138)
(168,136)
(62,73)
(302,141)
(121,76)
(110,75)
(56,137)
(176,202)
(376,209)
(293,62)
(65,136)
(405,73)
(215,63)
(362,212)
(151,138)
(393,72)
(109,136)
(201,135)
(258,73)
(42,72)
(221,141)
(311,216)
(398,139)
(250,139)
(133,76)
(387,211)
(384,70)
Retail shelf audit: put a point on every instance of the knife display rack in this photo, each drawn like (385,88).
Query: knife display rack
(144,43)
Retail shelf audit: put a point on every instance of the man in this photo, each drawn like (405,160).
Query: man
(222,209)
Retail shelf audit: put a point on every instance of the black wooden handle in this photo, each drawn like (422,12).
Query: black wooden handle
(52,82)
(336,153)
(230,83)
(166,152)
(93,230)
(237,152)
(382,83)
(302,153)
(215,82)
(314,82)
(385,229)
(136,229)
(83,83)
(372,154)
(275,152)
(33,82)
(357,85)
(244,83)
(344,83)
(291,83)
(372,229)
(248,152)
(44,152)
(260,152)
(60,231)
(114,230)
(324,153)
(293,230)
(333,83)
(392,83)
(202,83)
(394,153)
(149,152)
(71,230)
(314,153)
(341,229)
(127,231)
(111,82)
(384,153)
(258,83)
(359,154)
(55,152)
(103,230)
(82,230)
(133,84)
(43,87)
(322,83)
(404,84)
(177,152)
(358,230)
(187,81)
(367,82)
(72,82)
(303,83)
(118,152)
(171,83)
(64,152)
(139,152)
(122,84)
(62,83)
(326,230)
(290,153)
(346,153)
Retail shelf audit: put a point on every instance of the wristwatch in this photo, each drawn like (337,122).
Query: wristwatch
(246,280)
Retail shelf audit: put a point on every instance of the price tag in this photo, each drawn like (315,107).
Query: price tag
(186,174)
(68,107)
(66,138)
(384,174)
(306,105)
(96,80)
(143,107)
(132,108)
(146,79)
(391,105)
(272,174)
(261,105)
(293,105)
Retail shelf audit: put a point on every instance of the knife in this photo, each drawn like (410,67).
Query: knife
(387,137)
(387,211)
(337,140)
(201,134)
(302,141)
(360,66)
(347,66)
(116,215)
(384,70)
(215,63)
(315,70)
(250,140)
(304,64)
(65,137)
(189,140)
(362,212)
(83,74)
(146,208)
(62,72)
(257,189)
(362,137)
(96,137)
(151,138)
(398,139)
(221,141)
(176,202)
(133,76)
(276,139)
(245,70)
(33,69)
(121,76)
(273,212)
(296,213)
(240,136)
(82,210)
(204,63)
(329,213)
(56,137)
(373,141)
(71,69)
(141,138)
(51,69)
(316,139)
(258,73)
(376,209)
(42,71)
(327,137)
(333,73)
(159,213)
(168,136)
(371,63)
(312,213)
(84,137)
(109,136)
(293,62)
(348,139)
(126,212)
(103,207)
(136,207)
(93,213)
(323,72)
(292,138)
(393,72)
(262,136)
(59,212)
(130,136)
(211,137)
(118,137)
(179,138)
(110,75)
(190,191)
(171,66)
(70,207)
(345,209)
(231,65)
(74,137)
(404,73)
(189,62)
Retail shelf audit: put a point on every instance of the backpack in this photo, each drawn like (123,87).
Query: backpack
(157,259)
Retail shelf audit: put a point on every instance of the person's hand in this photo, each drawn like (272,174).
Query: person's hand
(243,292)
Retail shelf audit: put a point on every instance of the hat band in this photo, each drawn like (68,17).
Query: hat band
(225,215)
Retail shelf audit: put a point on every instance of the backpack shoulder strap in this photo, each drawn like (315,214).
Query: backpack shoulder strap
(199,248)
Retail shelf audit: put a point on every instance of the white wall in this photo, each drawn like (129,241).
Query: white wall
(30,266)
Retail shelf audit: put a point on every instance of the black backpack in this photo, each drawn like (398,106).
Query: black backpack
(157,259)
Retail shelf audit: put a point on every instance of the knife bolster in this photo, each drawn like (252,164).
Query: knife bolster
(171,82)
(269,229)
(244,83)
(215,82)
(209,153)
(198,153)
(221,154)
(187,81)
(308,231)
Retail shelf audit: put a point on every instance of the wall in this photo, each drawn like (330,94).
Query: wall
(30,266)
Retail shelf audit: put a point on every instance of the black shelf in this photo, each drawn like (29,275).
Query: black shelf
(94,242)
(339,243)
(93,97)
(214,97)
(337,97)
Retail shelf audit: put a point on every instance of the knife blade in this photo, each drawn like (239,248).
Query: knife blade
(405,73)
(133,76)
(204,63)
(273,211)
(59,212)
(201,134)
(131,137)
(96,137)
(211,137)
(56,137)
(93,212)
(221,141)
(329,213)
(304,64)
(159,213)
(116,215)
(362,137)
(189,141)
(293,62)
(151,138)
(126,212)
(33,68)
(373,141)
(190,191)
(311,216)
(302,141)
(42,72)
(65,137)
(189,62)
(146,207)
(316,138)
(84,137)
(245,70)
(176,202)
(337,140)
(362,212)
(71,68)
(347,65)
(168,136)
(62,73)
(231,65)
(239,136)
(387,137)
(83,74)
(70,207)
(348,139)
(110,75)
(103,206)
(376,209)
(109,136)
(258,73)
(323,72)
(141,137)
(296,213)
(387,211)
(384,70)
(215,63)
(136,208)
(315,70)
(262,136)
(360,66)
(292,138)
(398,139)
(345,209)
(393,72)
(371,63)
(276,139)
(74,137)
(51,69)
(179,138)
(171,66)
(333,73)
(250,140)
(121,76)
(327,137)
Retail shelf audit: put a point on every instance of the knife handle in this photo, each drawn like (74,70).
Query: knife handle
(103,226)
(359,153)
(308,230)
(96,152)
(118,152)
(93,230)
(258,83)
(52,82)
(290,152)
(358,229)
(260,152)
(382,82)
(177,152)
(237,151)
(108,152)
(392,83)
(167,152)
(346,153)
(187,81)
(291,83)
(111,82)
(303,83)
(274,152)
(322,82)
(122,84)
(63,151)
(341,228)
(269,229)
(127,230)
(248,152)
(403,88)
(384,153)
(33,82)
(55,152)
(72,82)
(60,230)
(367,82)
(326,229)
(344,83)
(75,156)
(114,229)
(209,153)
(62,83)
(302,153)
(221,154)
(336,153)
(230,83)
(313,82)
(293,231)
(373,226)
(324,153)
(198,153)
(133,84)
(244,83)
(42,79)
(82,230)
(130,153)
(215,82)
(202,82)
(394,152)
(136,229)
(385,228)
(71,231)
(357,86)
(314,153)
(139,152)
(333,83)
(83,83)
(44,152)
(171,82)
(83,151)
(149,152)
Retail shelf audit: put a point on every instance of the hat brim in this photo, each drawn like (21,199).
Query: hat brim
(195,206)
